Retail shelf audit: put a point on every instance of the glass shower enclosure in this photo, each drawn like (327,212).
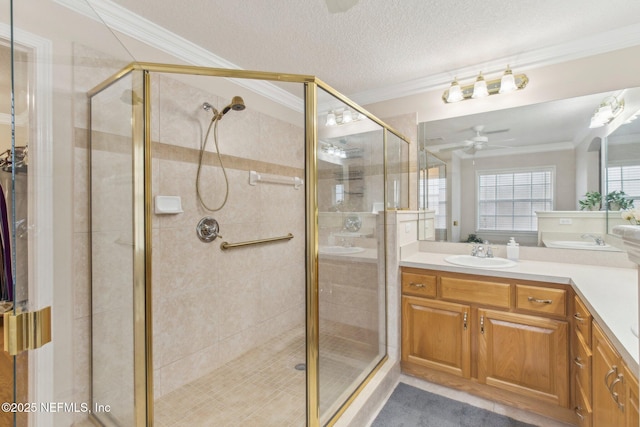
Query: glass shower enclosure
(281,317)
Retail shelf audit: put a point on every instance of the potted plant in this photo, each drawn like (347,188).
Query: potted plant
(617,200)
(592,201)
(473,238)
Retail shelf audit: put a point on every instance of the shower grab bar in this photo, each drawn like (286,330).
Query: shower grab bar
(227,245)
(256,177)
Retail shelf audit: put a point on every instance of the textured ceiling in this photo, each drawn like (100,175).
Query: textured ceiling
(380,43)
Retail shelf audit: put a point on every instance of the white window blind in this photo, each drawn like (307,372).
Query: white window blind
(624,178)
(508,200)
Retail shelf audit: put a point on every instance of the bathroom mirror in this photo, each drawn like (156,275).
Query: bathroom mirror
(623,166)
(487,155)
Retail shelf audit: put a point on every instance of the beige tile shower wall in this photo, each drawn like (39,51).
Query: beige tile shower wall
(209,305)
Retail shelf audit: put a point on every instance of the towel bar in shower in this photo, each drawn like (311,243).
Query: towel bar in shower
(227,245)
(255,178)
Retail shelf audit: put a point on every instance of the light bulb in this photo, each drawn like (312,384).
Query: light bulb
(480,88)
(455,93)
(331,119)
(346,116)
(508,82)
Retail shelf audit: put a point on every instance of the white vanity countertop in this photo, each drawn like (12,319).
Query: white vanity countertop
(611,294)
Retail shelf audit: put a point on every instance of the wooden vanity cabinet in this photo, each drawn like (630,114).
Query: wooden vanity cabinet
(605,391)
(503,339)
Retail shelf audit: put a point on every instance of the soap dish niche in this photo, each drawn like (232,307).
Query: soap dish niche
(167,205)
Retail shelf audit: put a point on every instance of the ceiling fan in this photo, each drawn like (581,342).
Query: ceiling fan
(478,142)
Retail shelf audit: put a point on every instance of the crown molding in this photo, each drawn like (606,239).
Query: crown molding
(619,38)
(139,28)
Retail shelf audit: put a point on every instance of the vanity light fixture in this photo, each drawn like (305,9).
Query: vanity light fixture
(609,109)
(481,87)
(337,117)
(333,151)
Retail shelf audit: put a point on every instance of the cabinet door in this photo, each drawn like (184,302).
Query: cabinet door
(436,335)
(527,355)
(633,399)
(608,388)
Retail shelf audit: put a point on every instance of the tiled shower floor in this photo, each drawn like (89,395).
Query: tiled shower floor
(262,387)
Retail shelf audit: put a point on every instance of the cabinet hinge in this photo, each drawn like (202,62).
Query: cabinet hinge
(27,330)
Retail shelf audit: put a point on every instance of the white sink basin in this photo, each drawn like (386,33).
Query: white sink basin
(577,244)
(340,250)
(474,261)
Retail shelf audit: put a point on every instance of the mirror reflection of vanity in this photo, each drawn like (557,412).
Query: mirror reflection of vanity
(501,167)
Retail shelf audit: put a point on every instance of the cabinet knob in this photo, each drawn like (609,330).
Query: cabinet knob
(578,362)
(417,285)
(578,317)
(464,321)
(578,410)
(482,324)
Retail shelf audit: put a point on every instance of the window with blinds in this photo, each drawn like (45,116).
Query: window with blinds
(508,200)
(625,178)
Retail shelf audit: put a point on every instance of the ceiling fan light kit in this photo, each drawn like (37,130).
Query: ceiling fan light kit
(478,142)
(482,88)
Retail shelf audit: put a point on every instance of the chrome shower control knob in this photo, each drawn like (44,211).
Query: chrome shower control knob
(208,229)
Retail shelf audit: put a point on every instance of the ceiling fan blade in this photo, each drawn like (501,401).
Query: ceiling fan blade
(494,147)
(466,144)
(496,131)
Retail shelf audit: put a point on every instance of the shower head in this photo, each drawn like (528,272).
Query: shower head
(237,104)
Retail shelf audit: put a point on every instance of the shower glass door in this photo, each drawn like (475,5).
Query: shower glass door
(351,259)
(112,254)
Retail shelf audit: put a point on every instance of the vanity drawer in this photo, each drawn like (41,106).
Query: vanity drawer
(541,300)
(582,409)
(419,284)
(582,320)
(582,366)
(476,291)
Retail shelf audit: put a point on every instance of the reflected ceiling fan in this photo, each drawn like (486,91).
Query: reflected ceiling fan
(479,142)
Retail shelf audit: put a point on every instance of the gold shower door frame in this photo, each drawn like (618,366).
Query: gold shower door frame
(142,228)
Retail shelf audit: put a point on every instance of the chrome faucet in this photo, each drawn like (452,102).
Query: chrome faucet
(599,240)
(482,251)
